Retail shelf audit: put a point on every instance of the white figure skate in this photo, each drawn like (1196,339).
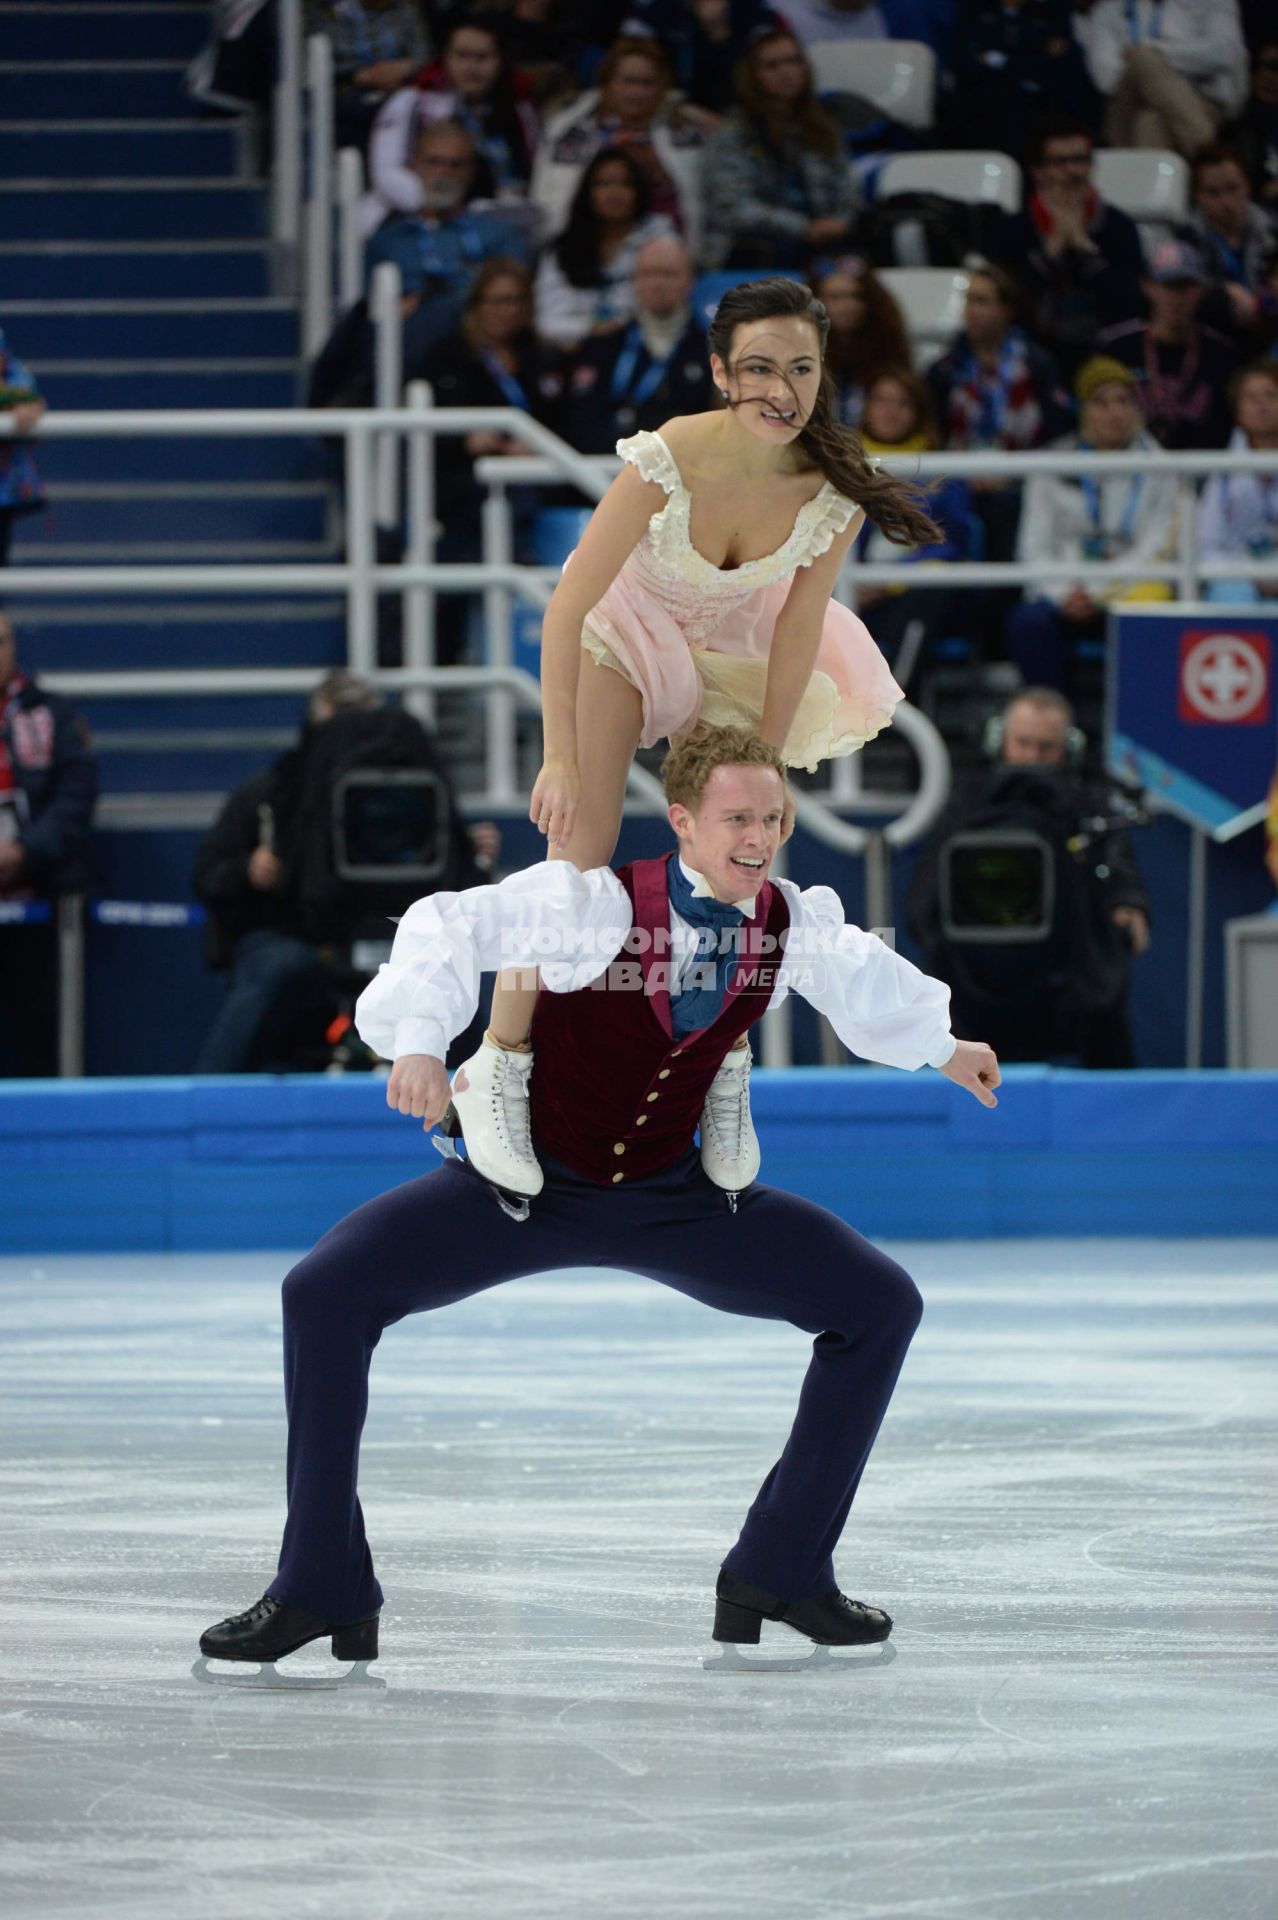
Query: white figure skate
(729,1144)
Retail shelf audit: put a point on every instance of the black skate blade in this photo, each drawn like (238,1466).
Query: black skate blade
(514,1205)
(731,1658)
(245,1677)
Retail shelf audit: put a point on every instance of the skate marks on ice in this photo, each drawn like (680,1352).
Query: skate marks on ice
(792,1654)
(1069,1513)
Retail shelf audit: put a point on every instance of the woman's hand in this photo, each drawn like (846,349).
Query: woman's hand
(555,799)
(26,415)
(418,1085)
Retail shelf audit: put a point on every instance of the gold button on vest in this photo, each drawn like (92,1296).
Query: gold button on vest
(653,1096)
(616,1177)
(620,1147)
(664,1074)
(642,1120)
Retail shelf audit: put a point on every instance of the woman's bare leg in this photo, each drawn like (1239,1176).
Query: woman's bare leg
(609,722)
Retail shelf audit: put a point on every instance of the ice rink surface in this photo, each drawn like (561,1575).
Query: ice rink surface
(1070,1512)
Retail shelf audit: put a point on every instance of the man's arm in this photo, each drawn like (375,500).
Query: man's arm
(570,924)
(60,831)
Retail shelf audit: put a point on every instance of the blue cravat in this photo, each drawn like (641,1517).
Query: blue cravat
(716,926)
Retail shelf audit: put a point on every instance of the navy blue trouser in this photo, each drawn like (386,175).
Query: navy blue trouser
(443,1238)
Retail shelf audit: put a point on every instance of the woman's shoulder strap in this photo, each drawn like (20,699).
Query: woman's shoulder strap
(653,459)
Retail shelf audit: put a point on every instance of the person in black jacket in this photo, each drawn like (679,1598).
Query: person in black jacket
(638,377)
(276,908)
(1027,899)
(1077,258)
(48,785)
(1014,60)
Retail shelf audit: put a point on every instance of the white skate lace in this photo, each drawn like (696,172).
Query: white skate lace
(510,1109)
(726,1106)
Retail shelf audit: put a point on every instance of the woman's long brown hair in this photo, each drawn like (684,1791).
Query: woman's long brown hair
(806,117)
(896,507)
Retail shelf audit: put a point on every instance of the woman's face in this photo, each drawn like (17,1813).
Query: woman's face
(984,315)
(1110,417)
(775,375)
(1257,410)
(781,70)
(503,308)
(472,62)
(634,92)
(889,411)
(843,296)
(612,193)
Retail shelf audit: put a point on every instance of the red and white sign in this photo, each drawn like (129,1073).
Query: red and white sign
(1226,679)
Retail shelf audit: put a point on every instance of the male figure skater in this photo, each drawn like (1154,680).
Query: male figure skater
(642,998)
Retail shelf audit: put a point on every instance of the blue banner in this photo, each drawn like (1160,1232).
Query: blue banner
(1192,712)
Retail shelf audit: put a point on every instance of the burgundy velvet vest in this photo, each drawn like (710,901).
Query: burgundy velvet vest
(613,1095)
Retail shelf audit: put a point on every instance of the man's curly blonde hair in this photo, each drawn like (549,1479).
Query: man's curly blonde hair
(690,762)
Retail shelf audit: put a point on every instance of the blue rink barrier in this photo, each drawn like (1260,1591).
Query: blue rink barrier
(264,1162)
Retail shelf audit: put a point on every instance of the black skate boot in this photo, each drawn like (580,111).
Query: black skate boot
(829,1620)
(272,1629)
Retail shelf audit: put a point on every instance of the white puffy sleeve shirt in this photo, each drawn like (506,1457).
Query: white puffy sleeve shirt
(573,925)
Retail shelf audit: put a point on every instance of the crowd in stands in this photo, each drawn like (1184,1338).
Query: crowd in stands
(554,182)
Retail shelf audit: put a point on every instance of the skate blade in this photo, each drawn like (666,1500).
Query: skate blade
(266,1678)
(730,1657)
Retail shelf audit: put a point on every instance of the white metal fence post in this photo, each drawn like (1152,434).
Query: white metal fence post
(419,602)
(317,297)
(384,296)
(361,594)
(350,245)
(286,117)
(499,546)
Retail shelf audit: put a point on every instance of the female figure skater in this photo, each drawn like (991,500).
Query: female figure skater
(700,591)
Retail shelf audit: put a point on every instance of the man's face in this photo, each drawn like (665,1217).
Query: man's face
(634,92)
(1110,417)
(1221,196)
(1034,736)
(444,166)
(1066,165)
(1257,409)
(1173,303)
(662,279)
(472,62)
(733,836)
(8,651)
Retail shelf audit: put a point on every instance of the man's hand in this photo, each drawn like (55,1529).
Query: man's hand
(1136,927)
(13,858)
(419,1085)
(973,1065)
(265,870)
(1078,605)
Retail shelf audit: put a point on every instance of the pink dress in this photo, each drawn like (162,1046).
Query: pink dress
(694,638)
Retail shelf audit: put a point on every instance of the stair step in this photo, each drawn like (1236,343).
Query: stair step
(172,329)
(143,718)
(135,32)
(114,385)
(190,459)
(129,149)
(182,771)
(175,516)
(129,209)
(43,552)
(139,270)
(277,633)
(95,89)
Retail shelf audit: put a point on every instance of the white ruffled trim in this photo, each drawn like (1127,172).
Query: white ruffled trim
(649,454)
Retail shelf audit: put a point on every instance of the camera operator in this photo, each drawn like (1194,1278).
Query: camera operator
(1027,899)
(282,918)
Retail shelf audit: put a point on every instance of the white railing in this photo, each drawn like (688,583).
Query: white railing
(286,131)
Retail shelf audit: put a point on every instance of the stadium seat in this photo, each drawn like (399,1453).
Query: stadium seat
(931,301)
(1145,183)
(896,76)
(987,179)
(709,288)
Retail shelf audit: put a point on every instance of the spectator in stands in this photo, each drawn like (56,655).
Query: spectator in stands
(778,193)
(1253,136)
(473,84)
(631,107)
(48,786)
(1078,259)
(1236,235)
(584,277)
(1170,70)
(1014,60)
(20,488)
(867,330)
(546,43)
(1238,514)
(931,21)
(377,46)
(1182,367)
(493,359)
(1078,902)
(636,378)
(703,40)
(898,419)
(1130,517)
(439,249)
(265,872)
